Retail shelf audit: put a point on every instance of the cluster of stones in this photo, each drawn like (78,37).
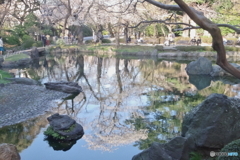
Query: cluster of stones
(211,125)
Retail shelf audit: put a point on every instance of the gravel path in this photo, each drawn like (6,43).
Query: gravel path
(19,102)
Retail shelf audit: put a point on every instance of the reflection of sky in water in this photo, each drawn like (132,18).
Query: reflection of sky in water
(40,150)
(106,109)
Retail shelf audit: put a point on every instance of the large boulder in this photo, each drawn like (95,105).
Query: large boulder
(67,87)
(213,123)
(65,126)
(8,152)
(199,67)
(176,149)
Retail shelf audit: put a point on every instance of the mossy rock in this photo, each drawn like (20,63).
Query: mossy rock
(51,133)
(63,127)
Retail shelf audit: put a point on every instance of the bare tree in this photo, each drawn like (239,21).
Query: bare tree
(20,9)
(4,12)
(65,13)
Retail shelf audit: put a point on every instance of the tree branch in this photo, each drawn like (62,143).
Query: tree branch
(215,32)
(208,25)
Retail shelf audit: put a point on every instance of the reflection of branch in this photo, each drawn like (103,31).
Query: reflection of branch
(66,72)
(90,87)
(118,76)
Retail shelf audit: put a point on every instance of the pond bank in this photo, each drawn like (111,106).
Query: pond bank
(157,51)
(19,102)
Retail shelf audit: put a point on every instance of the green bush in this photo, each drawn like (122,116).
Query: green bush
(37,44)
(106,41)
(27,42)
(51,132)
(60,42)
(195,156)
(12,40)
(232,48)
(233,146)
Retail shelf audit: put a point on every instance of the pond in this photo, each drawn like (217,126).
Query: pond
(127,104)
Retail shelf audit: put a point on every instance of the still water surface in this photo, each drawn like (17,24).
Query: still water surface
(127,104)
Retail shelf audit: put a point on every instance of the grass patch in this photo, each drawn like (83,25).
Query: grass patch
(16,57)
(204,48)
(231,48)
(99,48)
(133,48)
(195,156)
(194,48)
(51,132)
(4,74)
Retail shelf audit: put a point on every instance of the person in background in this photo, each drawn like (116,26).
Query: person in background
(193,41)
(199,41)
(1,46)
(129,39)
(44,40)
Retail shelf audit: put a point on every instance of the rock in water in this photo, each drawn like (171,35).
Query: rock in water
(67,87)
(65,127)
(201,66)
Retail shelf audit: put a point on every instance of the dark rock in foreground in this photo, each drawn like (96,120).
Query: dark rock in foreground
(209,126)
(8,152)
(65,127)
(213,123)
(67,87)
(177,148)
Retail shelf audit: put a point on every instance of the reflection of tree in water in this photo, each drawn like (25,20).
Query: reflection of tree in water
(117,88)
(60,145)
(72,104)
(163,119)
(22,134)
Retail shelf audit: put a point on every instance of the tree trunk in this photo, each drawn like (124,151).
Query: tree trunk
(110,30)
(215,32)
(126,34)
(79,33)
